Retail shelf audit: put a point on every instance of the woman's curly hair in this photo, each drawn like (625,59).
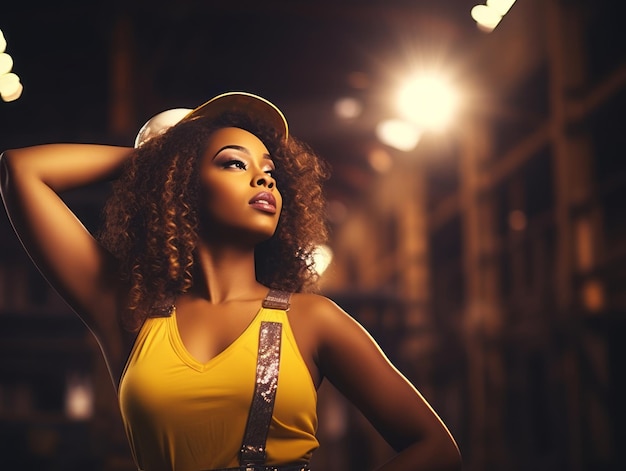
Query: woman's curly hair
(151,221)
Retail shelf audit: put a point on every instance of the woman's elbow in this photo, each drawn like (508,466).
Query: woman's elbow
(5,165)
(443,451)
(454,461)
(7,160)
(13,167)
(448,454)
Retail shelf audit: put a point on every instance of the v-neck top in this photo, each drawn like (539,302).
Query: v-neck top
(184,415)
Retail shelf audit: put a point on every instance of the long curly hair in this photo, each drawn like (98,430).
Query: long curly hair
(151,221)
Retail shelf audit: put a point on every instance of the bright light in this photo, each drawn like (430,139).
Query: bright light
(10,86)
(79,398)
(501,6)
(8,80)
(12,94)
(429,101)
(6,63)
(398,134)
(322,256)
(348,108)
(487,18)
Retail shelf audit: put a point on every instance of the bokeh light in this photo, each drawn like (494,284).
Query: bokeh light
(429,101)
(348,108)
(322,256)
(10,86)
(398,134)
(488,16)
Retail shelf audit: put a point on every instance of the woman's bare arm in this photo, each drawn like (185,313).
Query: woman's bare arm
(351,360)
(64,251)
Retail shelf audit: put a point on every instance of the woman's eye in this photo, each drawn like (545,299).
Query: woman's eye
(238,164)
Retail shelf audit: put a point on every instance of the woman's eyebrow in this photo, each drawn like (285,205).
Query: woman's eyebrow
(233,146)
(241,149)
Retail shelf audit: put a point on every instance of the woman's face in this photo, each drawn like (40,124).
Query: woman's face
(240,200)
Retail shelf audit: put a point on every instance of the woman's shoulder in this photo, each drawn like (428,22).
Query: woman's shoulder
(312,304)
(317,311)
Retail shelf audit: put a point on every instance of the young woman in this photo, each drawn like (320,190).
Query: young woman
(198,292)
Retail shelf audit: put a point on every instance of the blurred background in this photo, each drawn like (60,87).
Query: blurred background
(477,205)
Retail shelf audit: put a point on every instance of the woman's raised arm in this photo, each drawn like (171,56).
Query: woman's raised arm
(64,251)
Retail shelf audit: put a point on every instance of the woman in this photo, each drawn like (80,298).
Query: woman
(188,291)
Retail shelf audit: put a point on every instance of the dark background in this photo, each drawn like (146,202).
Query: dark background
(516,337)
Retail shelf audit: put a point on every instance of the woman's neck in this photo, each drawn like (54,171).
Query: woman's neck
(225,274)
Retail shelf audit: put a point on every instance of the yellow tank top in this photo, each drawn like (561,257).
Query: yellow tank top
(183,415)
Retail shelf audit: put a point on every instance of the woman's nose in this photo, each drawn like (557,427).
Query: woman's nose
(264,180)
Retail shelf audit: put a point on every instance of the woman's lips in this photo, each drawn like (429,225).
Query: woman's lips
(264,201)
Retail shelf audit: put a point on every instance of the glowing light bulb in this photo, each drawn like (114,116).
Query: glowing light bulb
(6,63)
(429,101)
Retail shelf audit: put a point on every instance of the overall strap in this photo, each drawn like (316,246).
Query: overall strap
(277,299)
(268,362)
